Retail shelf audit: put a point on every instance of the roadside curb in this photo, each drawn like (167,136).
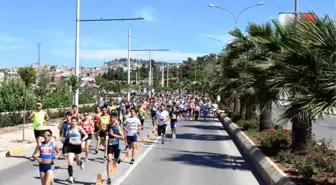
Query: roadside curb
(20,149)
(268,170)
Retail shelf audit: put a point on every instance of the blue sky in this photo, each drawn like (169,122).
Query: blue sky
(179,25)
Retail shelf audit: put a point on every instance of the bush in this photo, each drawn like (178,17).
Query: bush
(11,119)
(249,124)
(305,167)
(285,156)
(275,140)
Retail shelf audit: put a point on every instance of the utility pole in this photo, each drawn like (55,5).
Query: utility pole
(150,65)
(167,74)
(129,66)
(38,60)
(296,9)
(162,75)
(77,39)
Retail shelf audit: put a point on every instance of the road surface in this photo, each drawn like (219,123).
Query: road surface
(202,154)
(323,128)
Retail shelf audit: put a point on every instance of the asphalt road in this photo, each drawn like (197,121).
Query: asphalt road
(323,128)
(203,153)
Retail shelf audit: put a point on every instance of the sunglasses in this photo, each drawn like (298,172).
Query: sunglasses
(46,135)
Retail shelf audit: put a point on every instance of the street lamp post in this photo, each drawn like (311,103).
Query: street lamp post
(162,74)
(235,18)
(167,75)
(129,66)
(77,39)
(296,9)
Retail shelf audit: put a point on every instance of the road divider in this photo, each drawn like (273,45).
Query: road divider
(266,168)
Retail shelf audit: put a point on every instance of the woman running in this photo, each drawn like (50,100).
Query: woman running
(47,150)
(96,117)
(173,121)
(74,146)
(87,125)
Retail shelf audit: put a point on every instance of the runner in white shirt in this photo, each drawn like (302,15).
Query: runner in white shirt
(132,128)
(162,121)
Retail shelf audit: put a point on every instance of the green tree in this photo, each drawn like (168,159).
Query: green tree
(74,83)
(28,76)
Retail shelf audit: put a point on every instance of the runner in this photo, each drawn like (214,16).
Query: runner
(103,122)
(47,150)
(87,125)
(115,134)
(173,121)
(96,117)
(132,127)
(153,110)
(74,146)
(39,117)
(197,111)
(64,128)
(142,114)
(127,115)
(163,119)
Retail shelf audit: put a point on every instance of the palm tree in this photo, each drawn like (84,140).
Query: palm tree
(307,63)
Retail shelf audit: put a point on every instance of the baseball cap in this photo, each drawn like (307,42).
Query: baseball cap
(39,104)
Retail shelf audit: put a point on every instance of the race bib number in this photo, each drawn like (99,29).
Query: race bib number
(134,126)
(74,140)
(39,124)
(113,141)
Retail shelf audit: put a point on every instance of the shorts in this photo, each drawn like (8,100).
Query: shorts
(89,137)
(114,150)
(102,133)
(46,167)
(76,149)
(173,123)
(65,148)
(153,114)
(132,139)
(38,133)
(96,129)
(162,129)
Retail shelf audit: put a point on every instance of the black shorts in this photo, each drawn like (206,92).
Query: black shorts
(96,129)
(38,133)
(76,149)
(89,137)
(162,129)
(142,122)
(102,133)
(114,150)
(153,114)
(132,139)
(65,148)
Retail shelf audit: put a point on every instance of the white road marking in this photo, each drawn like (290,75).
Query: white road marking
(129,171)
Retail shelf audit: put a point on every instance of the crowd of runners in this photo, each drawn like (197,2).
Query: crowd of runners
(111,124)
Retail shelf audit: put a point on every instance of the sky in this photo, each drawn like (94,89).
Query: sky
(182,26)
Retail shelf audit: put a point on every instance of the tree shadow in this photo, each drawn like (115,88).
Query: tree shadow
(203,137)
(210,160)
(205,127)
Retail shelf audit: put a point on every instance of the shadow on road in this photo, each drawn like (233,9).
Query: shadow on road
(210,160)
(59,181)
(205,127)
(203,137)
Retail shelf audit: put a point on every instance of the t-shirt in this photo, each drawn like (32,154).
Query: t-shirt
(162,117)
(132,125)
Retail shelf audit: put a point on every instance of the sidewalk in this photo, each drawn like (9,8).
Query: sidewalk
(11,142)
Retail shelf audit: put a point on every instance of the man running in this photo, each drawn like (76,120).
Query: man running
(87,125)
(142,114)
(65,126)
(40,118)
(47,150)
(163,119)
(115,134)
(104,120)
(132,128)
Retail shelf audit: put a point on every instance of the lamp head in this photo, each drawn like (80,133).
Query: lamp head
(260,3)
(211,5)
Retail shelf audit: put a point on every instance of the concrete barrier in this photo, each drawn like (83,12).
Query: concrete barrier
(268,170)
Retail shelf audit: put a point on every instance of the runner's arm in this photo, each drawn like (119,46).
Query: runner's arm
(84,133)
(39,160)
(46,117)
